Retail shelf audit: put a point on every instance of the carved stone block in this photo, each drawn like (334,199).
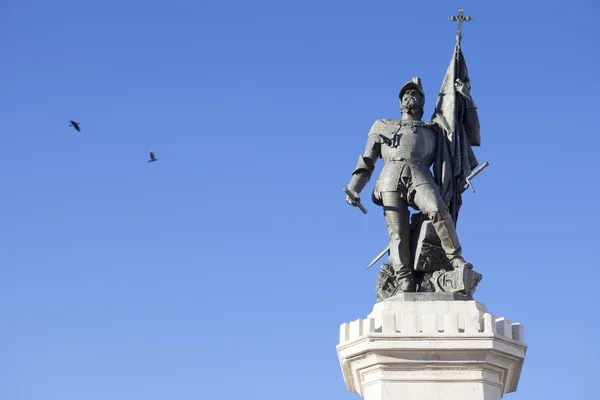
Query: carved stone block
(463,281)
(386,283)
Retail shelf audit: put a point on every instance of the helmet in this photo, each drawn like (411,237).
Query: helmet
(415,83)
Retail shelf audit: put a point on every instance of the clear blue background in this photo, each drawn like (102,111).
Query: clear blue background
(225,269)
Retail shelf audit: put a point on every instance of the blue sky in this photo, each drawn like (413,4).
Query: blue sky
(225,269)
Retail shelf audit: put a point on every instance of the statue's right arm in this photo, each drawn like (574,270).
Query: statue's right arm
(366,163)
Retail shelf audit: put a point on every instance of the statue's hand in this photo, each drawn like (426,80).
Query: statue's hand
(353,202)
(463,88)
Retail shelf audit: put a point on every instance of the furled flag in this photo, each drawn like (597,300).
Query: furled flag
(456,115)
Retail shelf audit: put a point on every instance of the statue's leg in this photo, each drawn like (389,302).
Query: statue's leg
(429,200)
(397,216)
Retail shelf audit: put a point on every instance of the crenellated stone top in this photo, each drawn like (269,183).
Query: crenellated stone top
(414,317)
(430,346)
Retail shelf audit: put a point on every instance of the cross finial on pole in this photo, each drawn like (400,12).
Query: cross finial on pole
(460,18)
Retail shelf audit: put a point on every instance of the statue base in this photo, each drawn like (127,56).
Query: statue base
(460,281)
(431,346)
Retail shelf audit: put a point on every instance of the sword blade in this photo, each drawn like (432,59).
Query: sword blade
(478,170)
(384,252)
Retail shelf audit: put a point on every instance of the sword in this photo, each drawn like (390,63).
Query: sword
(355,199)
(468,179)
(383,253)
(473,175)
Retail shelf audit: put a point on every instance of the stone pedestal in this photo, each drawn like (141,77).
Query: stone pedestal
(431,346)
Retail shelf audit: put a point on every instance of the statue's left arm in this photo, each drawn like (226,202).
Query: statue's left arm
(470,117)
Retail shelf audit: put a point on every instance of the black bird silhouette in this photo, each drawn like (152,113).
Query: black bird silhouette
(75,125)
(152,157)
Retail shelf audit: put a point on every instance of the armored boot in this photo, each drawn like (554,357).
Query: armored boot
(389,284)
(458,262)
(406,284)
(405,281)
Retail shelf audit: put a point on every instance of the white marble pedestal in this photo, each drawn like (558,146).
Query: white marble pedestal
(431,346)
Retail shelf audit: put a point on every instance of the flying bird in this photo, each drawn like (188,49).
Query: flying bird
(152,157)
(75,125)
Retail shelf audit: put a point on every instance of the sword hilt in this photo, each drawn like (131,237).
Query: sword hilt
(355,199)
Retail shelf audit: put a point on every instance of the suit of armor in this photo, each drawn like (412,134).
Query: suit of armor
(408,149)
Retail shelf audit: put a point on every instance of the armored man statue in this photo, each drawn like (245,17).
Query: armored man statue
(424,255)
(439,343)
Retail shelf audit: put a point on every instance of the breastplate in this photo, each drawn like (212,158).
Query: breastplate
(414,142)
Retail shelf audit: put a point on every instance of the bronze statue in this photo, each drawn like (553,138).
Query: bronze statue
(430,260)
